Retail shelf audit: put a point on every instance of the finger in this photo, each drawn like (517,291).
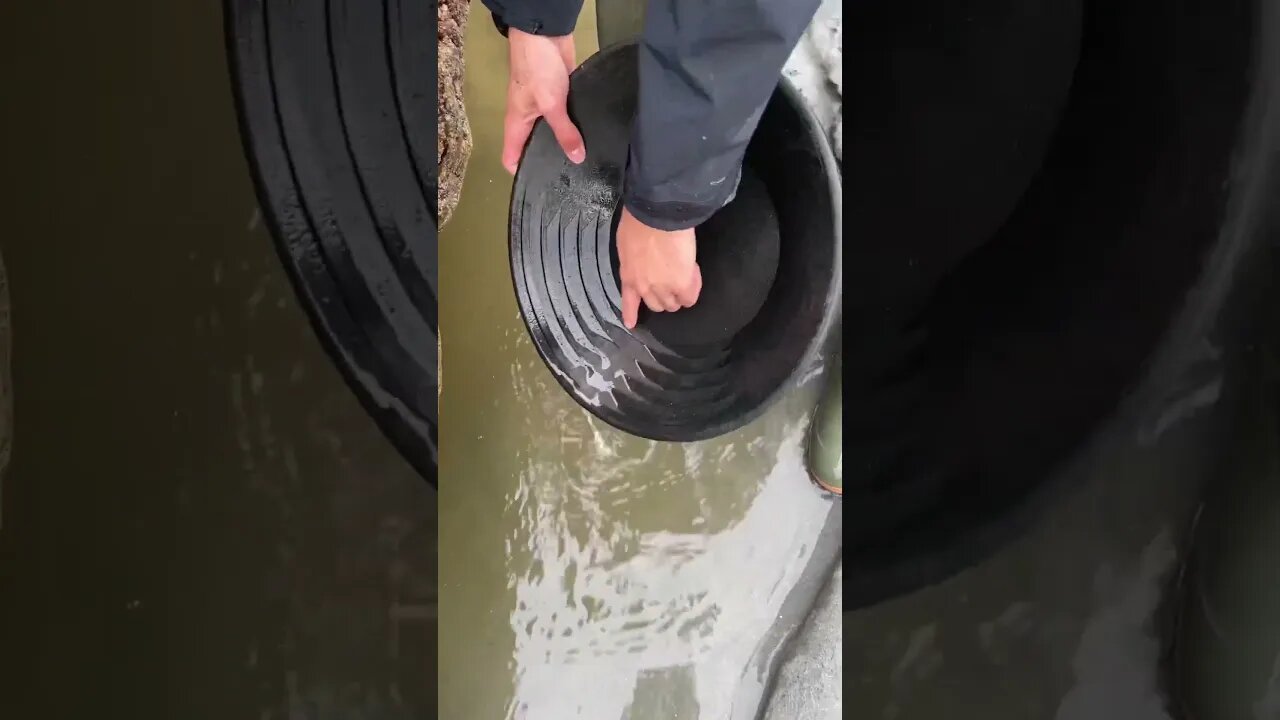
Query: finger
(566,134)
(515,133)
(660,301)
(630,306)
(688,295)
(668,301)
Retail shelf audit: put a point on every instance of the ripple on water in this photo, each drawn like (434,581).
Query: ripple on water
(630,556)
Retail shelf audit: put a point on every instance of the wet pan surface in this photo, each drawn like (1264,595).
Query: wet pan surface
(771,259)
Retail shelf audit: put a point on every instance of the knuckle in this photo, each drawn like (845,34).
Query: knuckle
(545,102)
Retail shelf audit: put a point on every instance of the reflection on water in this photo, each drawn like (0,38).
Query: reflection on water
(588,573)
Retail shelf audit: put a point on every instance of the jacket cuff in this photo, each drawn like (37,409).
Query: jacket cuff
(670,215)
(548,26)
(499,24)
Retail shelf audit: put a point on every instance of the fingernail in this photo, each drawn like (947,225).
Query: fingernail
(578,155)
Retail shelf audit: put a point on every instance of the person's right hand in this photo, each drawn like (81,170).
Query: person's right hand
(658,267)
(539,87)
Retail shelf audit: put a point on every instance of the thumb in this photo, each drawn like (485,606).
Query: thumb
(515,132)
(630,306)
(566,134)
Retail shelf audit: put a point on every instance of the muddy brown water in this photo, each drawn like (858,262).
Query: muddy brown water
(588,573)
(199,520)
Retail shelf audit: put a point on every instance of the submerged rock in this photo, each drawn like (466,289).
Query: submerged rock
(453,141)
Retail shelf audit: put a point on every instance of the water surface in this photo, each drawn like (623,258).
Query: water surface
(588,573)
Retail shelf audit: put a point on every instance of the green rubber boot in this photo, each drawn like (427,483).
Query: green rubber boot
(825,453)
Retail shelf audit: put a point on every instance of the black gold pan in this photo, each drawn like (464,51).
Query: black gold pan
(337,106)
(770,265)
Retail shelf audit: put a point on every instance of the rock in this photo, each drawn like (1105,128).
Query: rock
(453,143)
(808,682)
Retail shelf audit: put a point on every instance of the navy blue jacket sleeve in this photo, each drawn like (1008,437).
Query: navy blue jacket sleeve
(552,18)
(707,69)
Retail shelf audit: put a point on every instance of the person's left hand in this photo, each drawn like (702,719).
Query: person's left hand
(657,266)
(538,87)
